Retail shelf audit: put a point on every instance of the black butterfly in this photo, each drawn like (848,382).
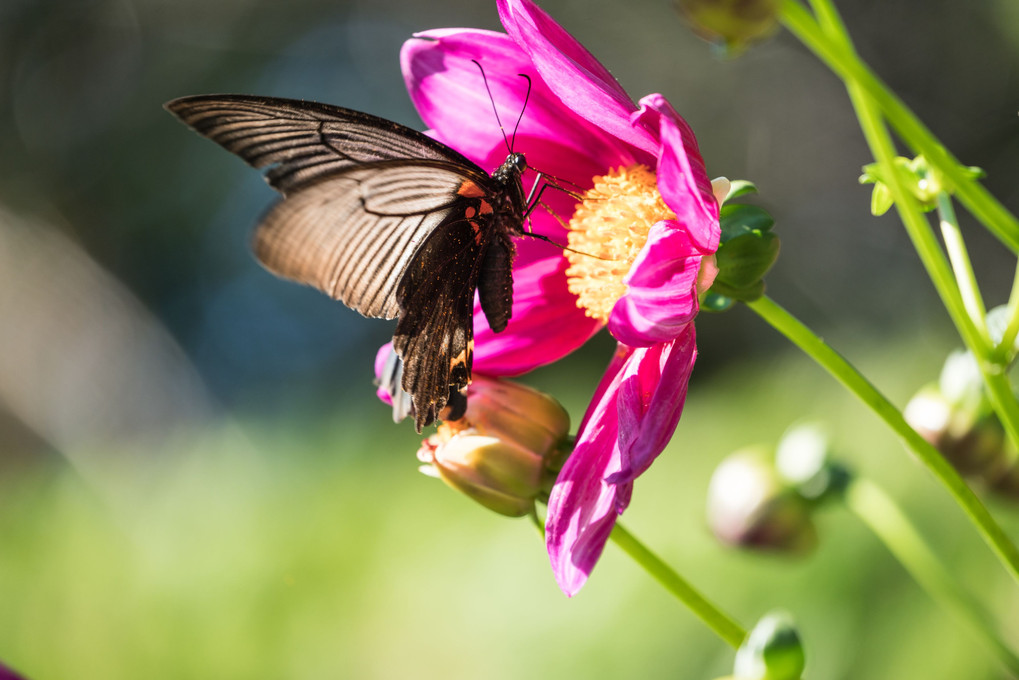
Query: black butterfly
(385,219)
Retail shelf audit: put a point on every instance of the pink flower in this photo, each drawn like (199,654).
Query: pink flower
(650,220)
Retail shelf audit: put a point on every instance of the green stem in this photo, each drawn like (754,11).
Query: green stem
(917,226)
(834,51)
(723,626)
(879,512)
(961,265)
(843,371)
(1006,348)
(1003,399)
(974,334)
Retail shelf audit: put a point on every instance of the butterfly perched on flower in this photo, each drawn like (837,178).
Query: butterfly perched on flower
(385,219)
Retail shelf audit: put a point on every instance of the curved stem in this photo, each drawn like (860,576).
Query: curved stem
(723,626)
(845,373)
(961,265)
(1006,348)
(974,334)
(879,512)
(843,61)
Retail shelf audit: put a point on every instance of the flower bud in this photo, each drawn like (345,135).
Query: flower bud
(749,505)
(747,250)
(505,452)
(732,23)
(971,439)
(772,651)
(920,180)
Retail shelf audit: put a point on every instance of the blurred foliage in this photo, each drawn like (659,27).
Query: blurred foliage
(196,481)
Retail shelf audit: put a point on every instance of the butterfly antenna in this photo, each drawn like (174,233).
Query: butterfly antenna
(527,95)
(494,109)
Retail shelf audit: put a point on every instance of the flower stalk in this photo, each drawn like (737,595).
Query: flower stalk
(879,512)
(961,265)
(845,373)
(968,318)
(714,618)
(837,54)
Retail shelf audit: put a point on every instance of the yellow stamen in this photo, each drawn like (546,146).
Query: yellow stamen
(612,224)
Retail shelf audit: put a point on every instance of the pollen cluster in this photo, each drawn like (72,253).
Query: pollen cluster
(608,230)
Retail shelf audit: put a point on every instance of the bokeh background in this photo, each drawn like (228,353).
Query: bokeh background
(197,482)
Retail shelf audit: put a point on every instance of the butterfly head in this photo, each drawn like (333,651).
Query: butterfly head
(513,166)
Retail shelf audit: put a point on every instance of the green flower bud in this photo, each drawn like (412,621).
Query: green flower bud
(772,651)
(734,24)
(920,179)
(747,250)
(750,506)
(505,452)
(802,460)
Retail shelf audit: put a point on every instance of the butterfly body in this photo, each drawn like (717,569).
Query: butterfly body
(385,219)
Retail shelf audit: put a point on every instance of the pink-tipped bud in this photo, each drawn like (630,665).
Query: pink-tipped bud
(750,506)
(505,452)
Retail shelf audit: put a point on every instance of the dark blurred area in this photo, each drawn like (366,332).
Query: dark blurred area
(128,281)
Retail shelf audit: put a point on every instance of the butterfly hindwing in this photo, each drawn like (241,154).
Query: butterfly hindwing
(326,236)
(435,334)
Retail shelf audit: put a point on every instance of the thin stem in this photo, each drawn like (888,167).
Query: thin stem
(961,265)
(845,63)
(879,512)
(916,224)
(723,626)
(845,373)
(1006,348)
(974,334)
(1003,399)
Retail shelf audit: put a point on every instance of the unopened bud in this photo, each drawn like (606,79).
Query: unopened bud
(917,176)
(772,651)
(969,438)
(733,23)
(505,452)
(749,505)
(747,250)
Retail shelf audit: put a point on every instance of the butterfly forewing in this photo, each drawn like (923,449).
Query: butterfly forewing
(385,219)
(305,141)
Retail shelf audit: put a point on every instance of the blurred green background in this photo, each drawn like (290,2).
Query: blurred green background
(197,482)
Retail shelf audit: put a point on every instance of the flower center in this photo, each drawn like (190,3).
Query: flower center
(608,230)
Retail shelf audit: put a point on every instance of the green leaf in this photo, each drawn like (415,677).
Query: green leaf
(740,187)
(737,219)
(744,260)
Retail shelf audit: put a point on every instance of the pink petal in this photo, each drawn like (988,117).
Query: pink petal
(651,395)
(449,92)
(682,178)
(582,507)
(661,297)
(546,324)
(380,364)
(573,74)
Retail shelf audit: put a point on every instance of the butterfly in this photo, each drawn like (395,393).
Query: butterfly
(385,219)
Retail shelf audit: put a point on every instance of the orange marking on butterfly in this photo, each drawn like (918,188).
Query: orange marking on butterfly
(462,358)
(470,212)
(486,208)
(470,190)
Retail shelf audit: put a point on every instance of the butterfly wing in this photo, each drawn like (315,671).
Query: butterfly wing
(302,142)
(376,215)
(435,334)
